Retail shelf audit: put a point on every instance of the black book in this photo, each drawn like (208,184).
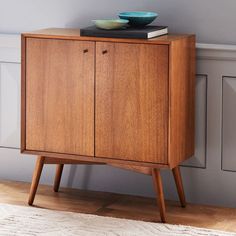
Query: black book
(146,32)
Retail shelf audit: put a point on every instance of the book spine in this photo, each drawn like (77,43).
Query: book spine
(107,35)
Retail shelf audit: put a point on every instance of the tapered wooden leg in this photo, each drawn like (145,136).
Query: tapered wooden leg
(58,175)
(179,185)
(36,178)
(160,194)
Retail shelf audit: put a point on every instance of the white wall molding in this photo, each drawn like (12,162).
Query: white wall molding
(10,48)
(216,52)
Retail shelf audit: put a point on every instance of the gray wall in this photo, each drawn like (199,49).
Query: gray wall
(212,20)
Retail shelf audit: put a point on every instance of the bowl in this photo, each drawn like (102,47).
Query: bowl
(110,23)
(138,18)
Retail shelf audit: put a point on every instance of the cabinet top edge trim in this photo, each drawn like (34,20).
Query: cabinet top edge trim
(74,34)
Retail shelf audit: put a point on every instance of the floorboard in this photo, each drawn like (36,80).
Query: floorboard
(117,205)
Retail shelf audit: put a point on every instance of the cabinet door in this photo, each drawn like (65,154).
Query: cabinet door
(131,102)
(60,96)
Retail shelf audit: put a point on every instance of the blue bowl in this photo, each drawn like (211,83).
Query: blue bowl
(138,18)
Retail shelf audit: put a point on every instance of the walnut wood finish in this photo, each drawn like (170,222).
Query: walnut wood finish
(61,162)
(36,177)
(123,102)
(182,100)
(90,159)
(131,102)
(60,96)
(160,194)
(58,175)
(23,92)
(139,169)
(51,160)
(181,69)
(179,185)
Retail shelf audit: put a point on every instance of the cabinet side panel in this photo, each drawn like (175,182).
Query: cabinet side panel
(182,100)
(23,62)
(132,102)
(60,96)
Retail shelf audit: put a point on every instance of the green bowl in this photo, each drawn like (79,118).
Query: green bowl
(138,18)
(110,23)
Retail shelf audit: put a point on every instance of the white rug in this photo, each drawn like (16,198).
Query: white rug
(27,221)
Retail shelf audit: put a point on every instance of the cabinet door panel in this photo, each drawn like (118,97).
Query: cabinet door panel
(60,96)
(131,102)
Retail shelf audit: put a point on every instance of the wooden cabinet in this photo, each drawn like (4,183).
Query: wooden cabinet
(128,103)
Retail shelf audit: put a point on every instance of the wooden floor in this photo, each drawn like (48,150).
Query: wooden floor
(116,205)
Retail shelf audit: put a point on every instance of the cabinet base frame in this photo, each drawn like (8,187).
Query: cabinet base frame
(154,172)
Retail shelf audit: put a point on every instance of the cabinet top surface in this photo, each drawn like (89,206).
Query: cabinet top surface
(74,34)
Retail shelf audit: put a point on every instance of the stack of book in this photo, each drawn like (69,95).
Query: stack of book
(146,32)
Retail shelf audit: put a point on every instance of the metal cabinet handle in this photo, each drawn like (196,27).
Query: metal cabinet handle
(85,50)
(104,51)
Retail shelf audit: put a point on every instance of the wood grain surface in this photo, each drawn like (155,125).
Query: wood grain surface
(144,91)
(121,206)
(131,102)
(35,179)
(23,94)
(157,181)
(182,100)
(60,96)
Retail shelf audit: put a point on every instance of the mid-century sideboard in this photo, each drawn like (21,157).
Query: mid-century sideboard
(128,103)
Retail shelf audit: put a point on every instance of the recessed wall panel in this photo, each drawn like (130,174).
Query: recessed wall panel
(199,158)
(229,123)
(10,105)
